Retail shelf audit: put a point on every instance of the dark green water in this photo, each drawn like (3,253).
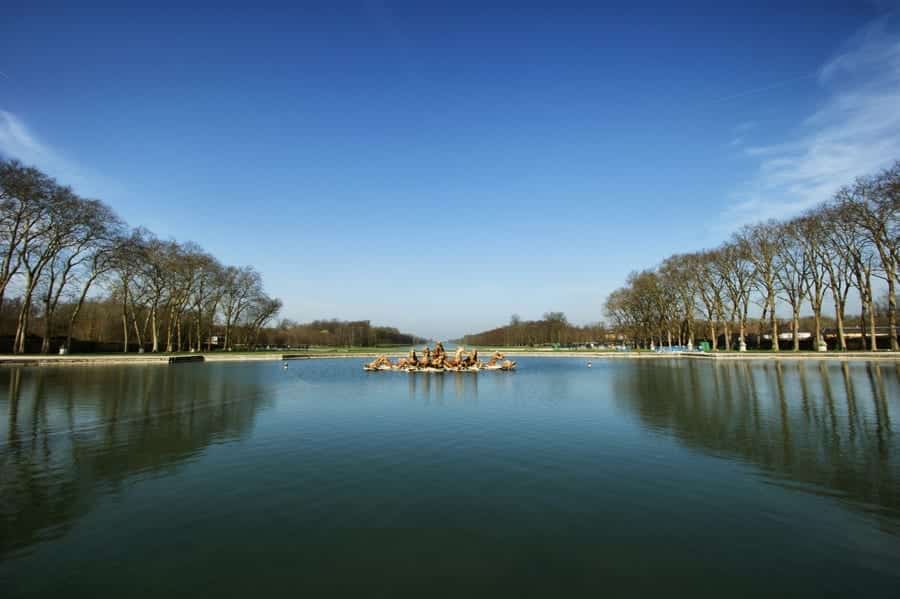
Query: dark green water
(670,478)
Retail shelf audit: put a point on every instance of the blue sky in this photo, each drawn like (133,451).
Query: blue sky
(440,166)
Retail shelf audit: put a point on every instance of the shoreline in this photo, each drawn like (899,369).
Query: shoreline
(171,359)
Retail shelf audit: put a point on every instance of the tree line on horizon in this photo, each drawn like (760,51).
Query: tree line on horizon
(849,244)
(552,328)
(335,333)
(74,275)
(64,256)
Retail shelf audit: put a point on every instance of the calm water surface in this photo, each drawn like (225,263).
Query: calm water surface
(665,477)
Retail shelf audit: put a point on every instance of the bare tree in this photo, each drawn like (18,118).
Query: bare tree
(55,247)
(185,266)
(848,240)
(813,237)
(792,272)
(56,230)
(240,287)
(99,264)
(837,262)
(617,309)
(737,272)
(677,274)
(873,205)
(86,246)
(557,322)
(260,310)
(127,259)
(710,294)
(24,206)
(206,296)
(761,246)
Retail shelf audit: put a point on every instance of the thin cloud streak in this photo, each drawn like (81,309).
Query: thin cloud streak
(856,131)
(764,88)
(19,142)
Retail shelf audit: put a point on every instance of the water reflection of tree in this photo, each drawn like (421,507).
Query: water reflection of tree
(74,434)
(825,424)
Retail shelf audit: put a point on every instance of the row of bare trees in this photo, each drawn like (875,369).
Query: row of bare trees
(807,265)
(553,328)
(335,333)
(59,249)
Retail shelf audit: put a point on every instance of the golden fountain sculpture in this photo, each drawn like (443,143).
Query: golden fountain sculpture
(437,360)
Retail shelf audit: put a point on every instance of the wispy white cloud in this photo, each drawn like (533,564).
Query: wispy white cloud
(763,89)
(740,132)
(871,48)
(855,131)
(19,142)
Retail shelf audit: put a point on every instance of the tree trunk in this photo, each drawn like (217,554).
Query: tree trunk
(154,329)
(170,330)
(199,329)
(124,317)
(863,337)
(22,325)
(138,333)
(48,325)
(24,313)
(868,300)
(743,316)
(839,318)
(892,313)
(71,326)
(773,321)
(795,327)
(874,334)
(817,319)
(125,327)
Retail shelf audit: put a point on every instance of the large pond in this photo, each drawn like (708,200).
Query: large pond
(632,477)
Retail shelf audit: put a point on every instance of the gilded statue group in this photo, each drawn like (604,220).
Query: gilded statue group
(437,360)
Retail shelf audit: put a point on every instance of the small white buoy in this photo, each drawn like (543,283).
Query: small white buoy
(589,364)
